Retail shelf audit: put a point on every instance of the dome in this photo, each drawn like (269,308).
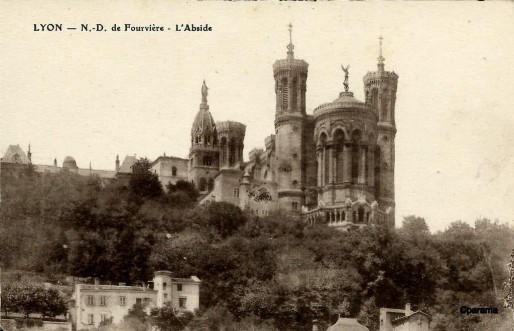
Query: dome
(345,102)
(346,99)
(69,163)
(203,123)
(347,324)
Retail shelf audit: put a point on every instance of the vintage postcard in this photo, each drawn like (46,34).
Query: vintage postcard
(267,165)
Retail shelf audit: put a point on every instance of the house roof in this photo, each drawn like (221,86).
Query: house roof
(128,162)
(169,158)
(402,319)
(347,324)
(12,151)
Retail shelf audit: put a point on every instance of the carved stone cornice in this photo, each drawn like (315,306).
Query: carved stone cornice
(287,117)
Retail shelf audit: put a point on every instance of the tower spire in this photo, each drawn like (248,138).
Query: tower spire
(380,57)
(290,47)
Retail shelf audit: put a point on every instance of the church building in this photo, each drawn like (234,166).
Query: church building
(335,165)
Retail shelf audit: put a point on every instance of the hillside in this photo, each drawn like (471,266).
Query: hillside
(272,272)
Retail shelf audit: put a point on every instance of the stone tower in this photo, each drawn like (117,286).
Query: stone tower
(204,152)
(290,118)
(231,137)
(380,90)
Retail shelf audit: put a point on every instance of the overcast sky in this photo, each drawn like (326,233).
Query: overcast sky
(93,95)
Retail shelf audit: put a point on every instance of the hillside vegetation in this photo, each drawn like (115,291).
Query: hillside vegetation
(272,273)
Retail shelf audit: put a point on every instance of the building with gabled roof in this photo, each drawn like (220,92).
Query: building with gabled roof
(15,154)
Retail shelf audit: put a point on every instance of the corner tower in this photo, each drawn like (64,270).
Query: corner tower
(290,118)
(204,152)
(231,137)
(380,91)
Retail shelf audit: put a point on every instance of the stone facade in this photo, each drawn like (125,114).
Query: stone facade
(334,166)
(170,169)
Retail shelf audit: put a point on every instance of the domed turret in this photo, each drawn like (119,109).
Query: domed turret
(204,152)
(203,125)
(70,164)
(345,136)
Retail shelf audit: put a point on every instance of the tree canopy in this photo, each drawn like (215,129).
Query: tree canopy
(272,273)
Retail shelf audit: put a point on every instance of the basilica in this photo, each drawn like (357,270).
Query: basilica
(334,166)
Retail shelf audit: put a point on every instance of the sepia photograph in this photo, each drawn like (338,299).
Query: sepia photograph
(256,166)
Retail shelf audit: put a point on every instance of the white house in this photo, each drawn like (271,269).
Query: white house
(93,303)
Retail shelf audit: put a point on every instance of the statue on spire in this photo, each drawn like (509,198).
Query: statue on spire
(380,57)
(345,77)
(204,92)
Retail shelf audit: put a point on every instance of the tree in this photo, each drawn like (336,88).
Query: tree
(184,186)
(169,318)
(137,312)
(52,303)
(29,298)
(143,183)
(224,217)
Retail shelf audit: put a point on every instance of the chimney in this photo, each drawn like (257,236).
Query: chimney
(97,281)
(117,163)
(408,310)
(122,284)
(315,325)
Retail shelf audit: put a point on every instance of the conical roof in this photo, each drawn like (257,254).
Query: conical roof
(203,122)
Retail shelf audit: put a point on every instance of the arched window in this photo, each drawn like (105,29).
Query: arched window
(174,171)
(207,138)
(294,94)
(374,98)
(323,166)
(232,152)
(203,184)
(361,215)
(16,158)
(224,150)
(383,106)
(322,139)
(356,140)
(215,138)
(285,94)
(377,169)
(338,143)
